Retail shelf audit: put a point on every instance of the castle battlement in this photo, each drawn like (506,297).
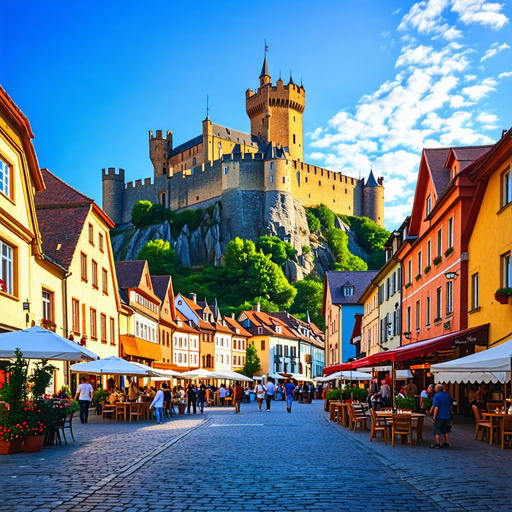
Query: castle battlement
(111,174)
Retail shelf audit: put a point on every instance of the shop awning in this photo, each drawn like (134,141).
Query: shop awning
(473,336)
(356,333)
(137,347)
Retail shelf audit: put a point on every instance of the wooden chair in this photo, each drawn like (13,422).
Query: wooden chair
(481,423)
(355,419)
(401,425)
(120,411)
(66,424)
(108,411)
(228,400)
(506,431)
(135,411)
(378,425)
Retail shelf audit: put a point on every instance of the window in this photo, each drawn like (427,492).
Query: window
(94,330)
(260,330)
(6,270)
(429,252)
(420,270)
(193,161)
(450,232)
(427,312)
(449,297)
(439,305)
(418,315)
(506,270)
(429,204)
(271,165)
(409,271)
(227,359)
(262,344)
(221,358)
(112,331)
(103,328)
(284,179)
(83,265)
(294,138)
(388,288)
(348,291)
(104,279)
(100,242)
(91,234)
(76,315)
(439,243)
(225,170)
(408,320)
(48,305)
(475,291)
(94,274)
(271,178)
(506,188)
(5,178)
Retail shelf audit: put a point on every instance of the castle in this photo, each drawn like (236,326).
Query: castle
(260,179)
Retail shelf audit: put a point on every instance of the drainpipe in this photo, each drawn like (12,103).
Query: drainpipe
(67,375)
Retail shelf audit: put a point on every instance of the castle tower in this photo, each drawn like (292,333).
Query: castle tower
(113,187)
(373,199)
(159,152)
(276,113)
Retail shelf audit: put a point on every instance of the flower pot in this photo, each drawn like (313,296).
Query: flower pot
(181,409)
(318,395)
(306,398)
(502,299)
(32,444)
(10,447)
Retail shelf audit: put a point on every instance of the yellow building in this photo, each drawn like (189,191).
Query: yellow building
(370,320)
(75,234)
(490,242)
(32,283)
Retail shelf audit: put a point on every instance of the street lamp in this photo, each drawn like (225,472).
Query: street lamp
(450,275)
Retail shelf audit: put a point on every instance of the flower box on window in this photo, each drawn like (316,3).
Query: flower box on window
(408,285)
(48,324)
(437,260)
(418,277)
(502,295)
(448,251)
(427,269)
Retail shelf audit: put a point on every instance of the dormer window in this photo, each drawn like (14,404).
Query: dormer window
(260,330)
(429,204)
(180,323)
(237,330)
(278,328)
(348,291)
(180,303)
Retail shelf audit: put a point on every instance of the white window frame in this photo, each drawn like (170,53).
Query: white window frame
(47,298)
(409,271)
(449,234)
(439,302)
(429,204)
(449,297)
(7,267)
(420,259)
(429,251)
(5,178)
(440,242)
(475,291)
(427,311)
(418,315)
(506,187)
(506,270)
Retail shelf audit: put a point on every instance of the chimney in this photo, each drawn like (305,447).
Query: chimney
(380,179)
(193,298)
(232,316)
(256,307)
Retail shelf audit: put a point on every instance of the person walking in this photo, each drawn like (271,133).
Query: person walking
(201,397)
(223,393)
(191,398)
(270,392)
(167,399)
(260,395)
(158,405)
(84,396)
(238,393)
(133,391)
(289,388)
(442,417)
(385,393)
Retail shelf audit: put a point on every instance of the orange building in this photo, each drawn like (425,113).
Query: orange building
(239,342)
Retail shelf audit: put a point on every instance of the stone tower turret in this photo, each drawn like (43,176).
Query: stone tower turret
(113,187)
(160,149)
(276,113)
(373,199)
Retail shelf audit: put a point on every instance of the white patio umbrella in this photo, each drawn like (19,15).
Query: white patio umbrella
(113,366)
(353,375)
(200,373)
(165,375)
(229,375)
(39,343)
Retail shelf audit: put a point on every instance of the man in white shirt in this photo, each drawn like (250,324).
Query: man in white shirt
(270,392)
(223,393)
(84,395)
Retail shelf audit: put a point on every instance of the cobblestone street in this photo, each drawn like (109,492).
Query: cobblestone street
(254,461)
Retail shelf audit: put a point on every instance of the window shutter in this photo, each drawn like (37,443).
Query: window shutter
(399,317)
(399,277)
(393,283)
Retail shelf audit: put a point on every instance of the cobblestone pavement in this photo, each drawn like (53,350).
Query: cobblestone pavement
(254,462)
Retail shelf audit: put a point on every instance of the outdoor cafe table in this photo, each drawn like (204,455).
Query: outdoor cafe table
(333,404)
(144,409)
(414,415)
(500,416)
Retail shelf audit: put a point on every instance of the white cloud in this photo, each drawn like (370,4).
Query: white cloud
(316,133)
(469,78)
(503,75)
(481,12)
(450,33)
(477,92)
(493,51)
(396,12)
(385,34)
(425,16)
(487,118)
(458,101)
(395,214)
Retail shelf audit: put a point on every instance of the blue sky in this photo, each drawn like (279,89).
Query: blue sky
(383,79)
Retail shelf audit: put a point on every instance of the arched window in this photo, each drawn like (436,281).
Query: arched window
(162,198)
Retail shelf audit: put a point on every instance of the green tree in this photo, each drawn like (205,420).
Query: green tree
(345,260)
(141,214)
(279,251)
(309,297)
(313,223)
(324,215)
(252,362)
(160,257)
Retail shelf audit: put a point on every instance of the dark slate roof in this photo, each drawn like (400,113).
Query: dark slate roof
(58,192)
(187,145)
(275,151)
(160,286)
(264,69)
(60,231)
(358,279)
(129,273)
(468,155)
(239,137)
(371,181)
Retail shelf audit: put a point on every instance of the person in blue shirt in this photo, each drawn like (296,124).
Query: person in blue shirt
(442,416)
(289,389)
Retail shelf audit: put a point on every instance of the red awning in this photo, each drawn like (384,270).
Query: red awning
(474,336)
(356,332)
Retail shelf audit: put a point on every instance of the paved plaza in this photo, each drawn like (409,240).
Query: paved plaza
(254,462)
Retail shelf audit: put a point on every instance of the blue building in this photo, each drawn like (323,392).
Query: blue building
(342,291)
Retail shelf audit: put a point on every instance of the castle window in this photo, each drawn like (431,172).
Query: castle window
(346,180)
(333,187)
(294,118)
(306,178)
(194,161)
(298,178)
(197,198)
(349,207)
(319,183)
(164,172)
(271,179)
(185,167)
(272,165)
(351,181)
(225,170)
(346,191)
(294,138)
(284,179)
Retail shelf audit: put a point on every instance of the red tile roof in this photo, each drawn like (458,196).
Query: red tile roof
(59,192)
(60,231)
(233,324)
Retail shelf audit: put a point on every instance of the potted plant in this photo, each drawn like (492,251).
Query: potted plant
(408,285)
(426,404)
(11,436)
(448,251)
(48,324)
(502,295)
(405,403)
(437,260)
(39,416)
(99,395)
(427,269)
(418,277)
(181,406)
